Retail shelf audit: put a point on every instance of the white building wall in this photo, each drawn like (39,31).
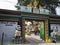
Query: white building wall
(8,28)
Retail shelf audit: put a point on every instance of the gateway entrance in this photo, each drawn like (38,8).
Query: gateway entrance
(34,31)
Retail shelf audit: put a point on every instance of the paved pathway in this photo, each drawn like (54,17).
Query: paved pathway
(33,39)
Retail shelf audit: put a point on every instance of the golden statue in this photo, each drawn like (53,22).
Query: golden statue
(41,7)
(29,5)
(35,3)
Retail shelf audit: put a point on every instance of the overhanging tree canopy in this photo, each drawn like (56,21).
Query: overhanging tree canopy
(47,4)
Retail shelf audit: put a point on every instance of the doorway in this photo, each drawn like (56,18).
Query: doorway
(34,31)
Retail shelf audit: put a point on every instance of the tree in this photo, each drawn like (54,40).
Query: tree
(47,4)
(24,2)
(50,5)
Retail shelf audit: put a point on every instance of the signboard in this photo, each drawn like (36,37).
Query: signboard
(25,9)
(44,11)
(36,11)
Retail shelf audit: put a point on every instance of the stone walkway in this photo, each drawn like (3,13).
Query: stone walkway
(33,39)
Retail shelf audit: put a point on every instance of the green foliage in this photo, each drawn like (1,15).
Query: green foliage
(51,4)
(24,2)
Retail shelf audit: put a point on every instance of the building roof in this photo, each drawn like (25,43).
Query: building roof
(16,12)
(13,12)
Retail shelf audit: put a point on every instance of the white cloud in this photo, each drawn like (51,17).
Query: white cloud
(8,4)
(13,1)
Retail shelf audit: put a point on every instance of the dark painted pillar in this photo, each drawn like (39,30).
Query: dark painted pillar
(20,23)
(49,26)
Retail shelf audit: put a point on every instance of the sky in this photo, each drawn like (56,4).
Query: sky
(58,10)
(8,4)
